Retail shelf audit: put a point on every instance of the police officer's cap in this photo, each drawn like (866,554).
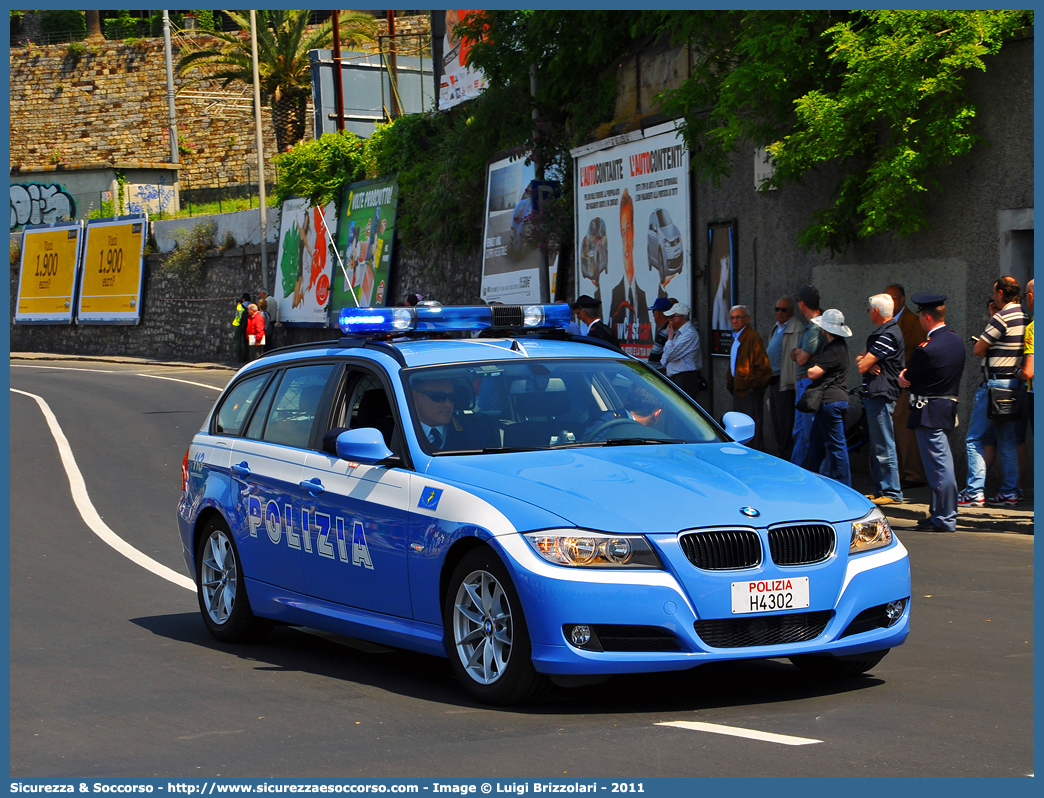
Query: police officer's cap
(926,301)
(586,301)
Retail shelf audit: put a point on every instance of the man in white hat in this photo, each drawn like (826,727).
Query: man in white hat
(682,356)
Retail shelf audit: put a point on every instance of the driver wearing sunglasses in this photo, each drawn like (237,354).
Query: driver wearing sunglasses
(434,400)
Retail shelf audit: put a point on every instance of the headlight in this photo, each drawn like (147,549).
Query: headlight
(872,531)
(593,549)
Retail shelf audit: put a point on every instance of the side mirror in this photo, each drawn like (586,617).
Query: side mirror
(739,426)
(365,445)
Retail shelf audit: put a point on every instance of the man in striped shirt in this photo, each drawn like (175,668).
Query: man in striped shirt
(1002,347)
(880,364)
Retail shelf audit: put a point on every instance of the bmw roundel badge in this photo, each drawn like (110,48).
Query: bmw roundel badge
(750,512)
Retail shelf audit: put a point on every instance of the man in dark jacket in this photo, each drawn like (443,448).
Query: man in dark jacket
(933,376)
(590,311)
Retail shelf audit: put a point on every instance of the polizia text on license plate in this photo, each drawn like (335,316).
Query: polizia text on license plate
(767,595)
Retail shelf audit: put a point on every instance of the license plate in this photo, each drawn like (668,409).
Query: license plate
(769,595)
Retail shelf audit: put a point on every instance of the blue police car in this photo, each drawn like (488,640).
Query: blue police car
(537,507)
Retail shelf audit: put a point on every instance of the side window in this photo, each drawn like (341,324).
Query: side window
(295,404)
(235,410)
(257,422)
(364,404)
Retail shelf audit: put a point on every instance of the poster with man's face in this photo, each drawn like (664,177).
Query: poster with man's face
(632,201)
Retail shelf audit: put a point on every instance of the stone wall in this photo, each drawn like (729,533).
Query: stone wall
(191,321)
(108,104)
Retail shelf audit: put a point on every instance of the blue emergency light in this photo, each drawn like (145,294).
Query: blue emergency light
(437,318)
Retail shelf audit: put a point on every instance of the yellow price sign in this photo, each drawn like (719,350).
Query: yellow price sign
(112,272)
(48,274)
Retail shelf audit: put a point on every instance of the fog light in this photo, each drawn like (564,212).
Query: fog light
(894,610)
(581,635)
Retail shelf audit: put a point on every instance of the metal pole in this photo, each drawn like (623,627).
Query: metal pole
(260,151)
(338,88)
(538,169)
(174,156)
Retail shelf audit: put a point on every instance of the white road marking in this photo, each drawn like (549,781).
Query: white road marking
(89,514)
(187,382)
(735,731)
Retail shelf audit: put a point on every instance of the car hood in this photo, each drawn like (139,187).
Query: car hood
(670,232)
(658,488)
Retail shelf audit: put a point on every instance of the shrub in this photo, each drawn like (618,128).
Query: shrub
(186,261)
(64,22)
(122,27)
(320,168)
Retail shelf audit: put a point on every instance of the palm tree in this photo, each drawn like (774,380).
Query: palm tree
(283,42)
(93,19)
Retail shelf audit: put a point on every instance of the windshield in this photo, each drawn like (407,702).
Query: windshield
(548,404)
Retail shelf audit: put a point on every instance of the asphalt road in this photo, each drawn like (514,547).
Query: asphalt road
(113,674)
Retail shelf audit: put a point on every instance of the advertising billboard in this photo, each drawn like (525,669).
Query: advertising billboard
(47,273)
(721,273)
(511,259)
(633,234)
(459,82)
(112,275)
(303,264)
(366,233)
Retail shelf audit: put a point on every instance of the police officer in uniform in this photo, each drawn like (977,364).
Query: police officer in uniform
(933,376)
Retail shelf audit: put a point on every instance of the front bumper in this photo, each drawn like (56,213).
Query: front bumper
(668,607)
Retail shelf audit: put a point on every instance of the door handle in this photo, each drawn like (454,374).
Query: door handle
(241,470)
(313,486)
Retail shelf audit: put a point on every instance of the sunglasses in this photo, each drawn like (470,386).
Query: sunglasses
(782,310)
(438,397)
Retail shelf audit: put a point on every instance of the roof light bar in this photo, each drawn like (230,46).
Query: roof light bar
(445,319)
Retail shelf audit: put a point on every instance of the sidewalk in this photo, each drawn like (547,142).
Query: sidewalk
(1011,520)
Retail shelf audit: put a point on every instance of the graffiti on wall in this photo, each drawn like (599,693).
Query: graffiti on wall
(35,203)
(150,198)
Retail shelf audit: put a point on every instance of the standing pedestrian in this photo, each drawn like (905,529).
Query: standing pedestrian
(271,309)
(880,364)
(590,312)
(911,472)
(804,355)
(786,335)
(749,371)
(1027,360)
(682,355)
(1000,345)
(659,331)
(255,327)
(830,374)
(239,322)
(933,377)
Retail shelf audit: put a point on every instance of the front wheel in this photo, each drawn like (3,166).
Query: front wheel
(221,590)
(486,637)
(829,667)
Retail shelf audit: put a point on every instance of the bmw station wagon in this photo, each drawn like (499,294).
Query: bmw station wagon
(537,507)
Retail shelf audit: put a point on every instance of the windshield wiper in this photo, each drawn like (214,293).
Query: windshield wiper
(616,442)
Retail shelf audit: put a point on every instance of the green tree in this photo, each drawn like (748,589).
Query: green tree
(875,99)
(283,42)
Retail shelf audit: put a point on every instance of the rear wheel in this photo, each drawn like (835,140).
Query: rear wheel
(831,667)
(485,632)
(221,590)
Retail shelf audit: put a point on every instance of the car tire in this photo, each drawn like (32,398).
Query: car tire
(486,636)
(221,588)
(828,667)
